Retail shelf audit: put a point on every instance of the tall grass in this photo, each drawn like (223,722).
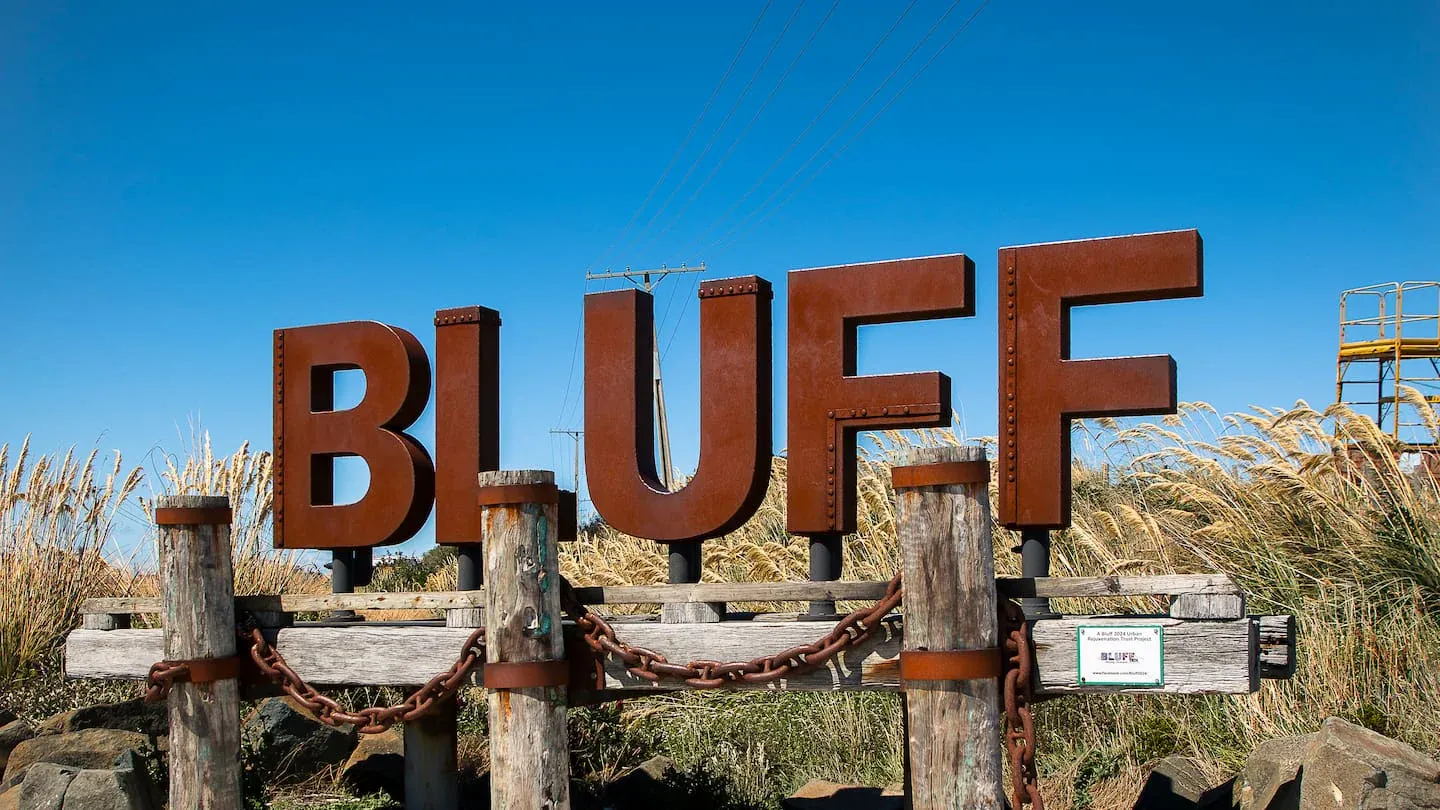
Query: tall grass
(246,478)
(58,519)
(1312,512)
(57,514)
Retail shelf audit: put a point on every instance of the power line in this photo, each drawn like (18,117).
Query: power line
(727,238)
(674,158)
(646,280)
(873,118)
(694,195)
(874,49)
(574,434)
(695,164)
(565,405)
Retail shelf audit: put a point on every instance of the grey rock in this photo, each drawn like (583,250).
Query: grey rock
(818,794)
(293,741)
(44,786)
(106,790)
(1352,767)
(1270,778)
(130,715)
(92,748)
(143,763)
(1178,783)
(646,785)
(12,734)
(377,764)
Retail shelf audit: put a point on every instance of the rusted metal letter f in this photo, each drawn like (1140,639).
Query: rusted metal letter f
(735,408)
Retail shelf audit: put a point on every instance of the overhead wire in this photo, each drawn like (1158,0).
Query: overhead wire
(834,97)
(906,86)
(709,144)
(695,285)
(728,236)
(565,406)
(759,111)
(689,134)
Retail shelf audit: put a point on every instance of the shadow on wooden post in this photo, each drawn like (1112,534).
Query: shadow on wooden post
(198,584)
(953,726)
(529,752)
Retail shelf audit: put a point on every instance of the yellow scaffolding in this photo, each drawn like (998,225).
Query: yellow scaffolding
(1389,340)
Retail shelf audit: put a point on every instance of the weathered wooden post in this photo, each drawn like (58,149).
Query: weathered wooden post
(198,585)
(525,669)
(949,663)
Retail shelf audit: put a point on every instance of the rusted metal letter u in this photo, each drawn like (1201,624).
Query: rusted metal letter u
(735,409)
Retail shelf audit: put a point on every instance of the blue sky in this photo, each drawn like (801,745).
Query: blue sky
(178,179)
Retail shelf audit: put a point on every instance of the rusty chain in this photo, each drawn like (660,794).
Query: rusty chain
(371,720)
(600,637)
(1018,689)
(163,675)
(653,666)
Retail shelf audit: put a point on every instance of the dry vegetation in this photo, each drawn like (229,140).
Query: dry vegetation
(1308,510)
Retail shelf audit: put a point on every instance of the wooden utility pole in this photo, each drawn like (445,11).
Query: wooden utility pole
(647,280)
(573,434)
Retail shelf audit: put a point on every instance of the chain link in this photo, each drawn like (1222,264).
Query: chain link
(163,675)
(652,666)
(1018,688)
(851,631)
(374,719)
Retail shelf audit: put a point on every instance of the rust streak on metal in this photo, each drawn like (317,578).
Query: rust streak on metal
(936,475)
(735,413)
(310,434)
(828,403)
(467,417)
(1042,389)
(177,516)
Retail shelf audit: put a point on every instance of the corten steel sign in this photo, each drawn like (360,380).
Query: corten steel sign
(735,397)
(1041,390)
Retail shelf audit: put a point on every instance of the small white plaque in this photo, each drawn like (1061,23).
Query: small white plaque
(1121,655)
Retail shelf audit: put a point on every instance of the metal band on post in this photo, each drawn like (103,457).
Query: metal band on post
(941,474)
(511,494)
(950,665)
(527,674)
(193,516)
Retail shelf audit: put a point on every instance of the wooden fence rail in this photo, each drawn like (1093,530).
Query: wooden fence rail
(1209,646)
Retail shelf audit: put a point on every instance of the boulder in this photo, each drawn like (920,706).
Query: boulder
(1270,777)
(146,765)
(9,799)
(92,748)
(818,794)
(1340,766)
(294,741)
(1178,783)
(106,790)
(649,784)
(130,715)
(1352,767)
(12,734)
(7,716)
(376,764)
(44,786)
